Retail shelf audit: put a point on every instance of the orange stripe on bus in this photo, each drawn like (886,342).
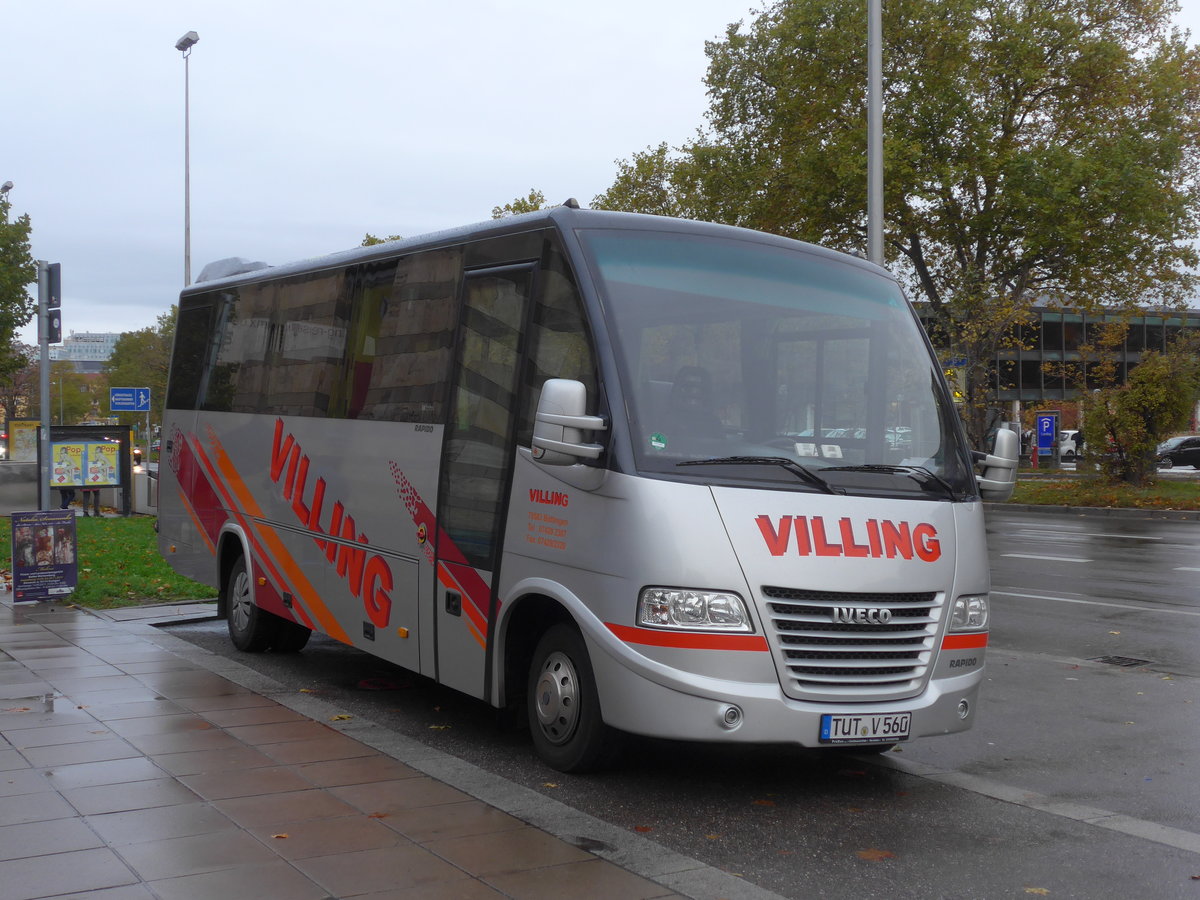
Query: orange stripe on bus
(248,526)
(688,640)
(187,505)
(304,589)
(964,641)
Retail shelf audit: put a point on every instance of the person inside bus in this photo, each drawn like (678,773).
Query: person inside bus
(690,408)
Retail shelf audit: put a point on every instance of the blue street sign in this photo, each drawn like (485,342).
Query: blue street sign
(129,399)
(1047,431)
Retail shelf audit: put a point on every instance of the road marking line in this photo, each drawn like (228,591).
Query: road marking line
(1077,812)
(1066,533)
(1178,612)
(1186,569)
(1053,558)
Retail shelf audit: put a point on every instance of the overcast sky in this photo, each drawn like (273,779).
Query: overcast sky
(313,123)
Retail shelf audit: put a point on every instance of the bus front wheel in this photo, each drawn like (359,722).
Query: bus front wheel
(251,628)
(568,731)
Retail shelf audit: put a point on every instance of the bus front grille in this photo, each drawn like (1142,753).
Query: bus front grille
(852,646)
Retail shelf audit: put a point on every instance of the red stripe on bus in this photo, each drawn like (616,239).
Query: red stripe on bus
(964,641)
(688,640)
(264,541)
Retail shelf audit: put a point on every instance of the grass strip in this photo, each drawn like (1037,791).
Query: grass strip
(1095,492)
(119,564)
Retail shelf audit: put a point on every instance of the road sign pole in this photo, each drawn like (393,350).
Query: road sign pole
(43,270)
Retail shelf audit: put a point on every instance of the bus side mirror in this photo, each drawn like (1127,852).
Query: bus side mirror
(1000,467)
(560,422)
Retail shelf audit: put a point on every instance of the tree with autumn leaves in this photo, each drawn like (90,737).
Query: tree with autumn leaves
(1032,149)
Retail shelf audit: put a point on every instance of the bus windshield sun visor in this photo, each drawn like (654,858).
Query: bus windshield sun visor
(804,474)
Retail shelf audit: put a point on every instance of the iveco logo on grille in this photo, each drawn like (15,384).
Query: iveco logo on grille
(858,615)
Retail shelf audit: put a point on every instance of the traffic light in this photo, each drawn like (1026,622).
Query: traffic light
(53,305)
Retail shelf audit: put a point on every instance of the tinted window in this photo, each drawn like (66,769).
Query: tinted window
(192,333)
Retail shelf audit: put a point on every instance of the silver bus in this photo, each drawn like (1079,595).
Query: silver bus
(634,474)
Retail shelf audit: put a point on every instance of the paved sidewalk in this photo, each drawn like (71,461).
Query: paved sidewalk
(131,767)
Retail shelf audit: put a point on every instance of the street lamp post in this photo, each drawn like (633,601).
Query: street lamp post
(875,132)
(184,45)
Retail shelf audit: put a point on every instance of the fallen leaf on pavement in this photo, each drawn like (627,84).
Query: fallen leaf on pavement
(875,855)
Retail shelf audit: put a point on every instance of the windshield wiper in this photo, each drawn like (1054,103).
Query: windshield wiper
(795,468)
(919,474)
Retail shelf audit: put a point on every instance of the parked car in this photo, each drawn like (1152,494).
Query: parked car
(1183,450)
(1068,443)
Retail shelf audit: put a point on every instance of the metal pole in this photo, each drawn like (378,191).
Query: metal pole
(874,132)
(43,273)
(187,171)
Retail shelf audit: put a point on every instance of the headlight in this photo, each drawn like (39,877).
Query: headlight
(692,610)
(970,613)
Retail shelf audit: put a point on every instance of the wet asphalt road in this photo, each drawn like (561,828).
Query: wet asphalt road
(1080,778)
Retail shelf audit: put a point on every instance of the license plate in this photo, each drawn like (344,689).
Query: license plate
(865,728)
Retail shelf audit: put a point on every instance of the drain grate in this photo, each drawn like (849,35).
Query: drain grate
(1119,660)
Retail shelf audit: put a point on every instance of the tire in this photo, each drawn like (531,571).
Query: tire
(251,629)
(563,706)
(1165,462)
(291,637)
(1069,456)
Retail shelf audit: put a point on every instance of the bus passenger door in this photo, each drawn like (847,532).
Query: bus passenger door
(476,471)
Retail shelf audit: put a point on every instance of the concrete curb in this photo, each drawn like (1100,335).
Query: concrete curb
(1181,515)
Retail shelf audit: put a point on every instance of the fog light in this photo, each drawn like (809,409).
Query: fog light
(964,709)
(731,718)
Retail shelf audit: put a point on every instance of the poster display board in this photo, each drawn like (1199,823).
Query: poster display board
(84,464)
(23,440)
(45,557)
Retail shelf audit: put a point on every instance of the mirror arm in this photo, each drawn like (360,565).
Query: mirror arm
(585,423)
(588,451)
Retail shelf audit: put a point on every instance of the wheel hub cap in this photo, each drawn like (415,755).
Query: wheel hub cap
(557,698)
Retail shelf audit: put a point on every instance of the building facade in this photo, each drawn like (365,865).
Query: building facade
(88,350)
(1028,373)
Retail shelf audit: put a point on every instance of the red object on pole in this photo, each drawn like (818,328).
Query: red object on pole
(1033,452)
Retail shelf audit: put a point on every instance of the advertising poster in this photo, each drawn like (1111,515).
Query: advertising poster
(66,464)
(100,465)
(45,559)
(84,464)
(23,440)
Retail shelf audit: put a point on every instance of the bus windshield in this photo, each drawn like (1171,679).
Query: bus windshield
(772,364)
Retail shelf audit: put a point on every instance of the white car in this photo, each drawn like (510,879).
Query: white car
(1067,445)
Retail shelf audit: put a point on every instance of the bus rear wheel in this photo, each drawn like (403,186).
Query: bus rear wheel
(568,731)
(251,628)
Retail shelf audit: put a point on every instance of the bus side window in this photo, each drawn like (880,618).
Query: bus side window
(188,355)
(401,345)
